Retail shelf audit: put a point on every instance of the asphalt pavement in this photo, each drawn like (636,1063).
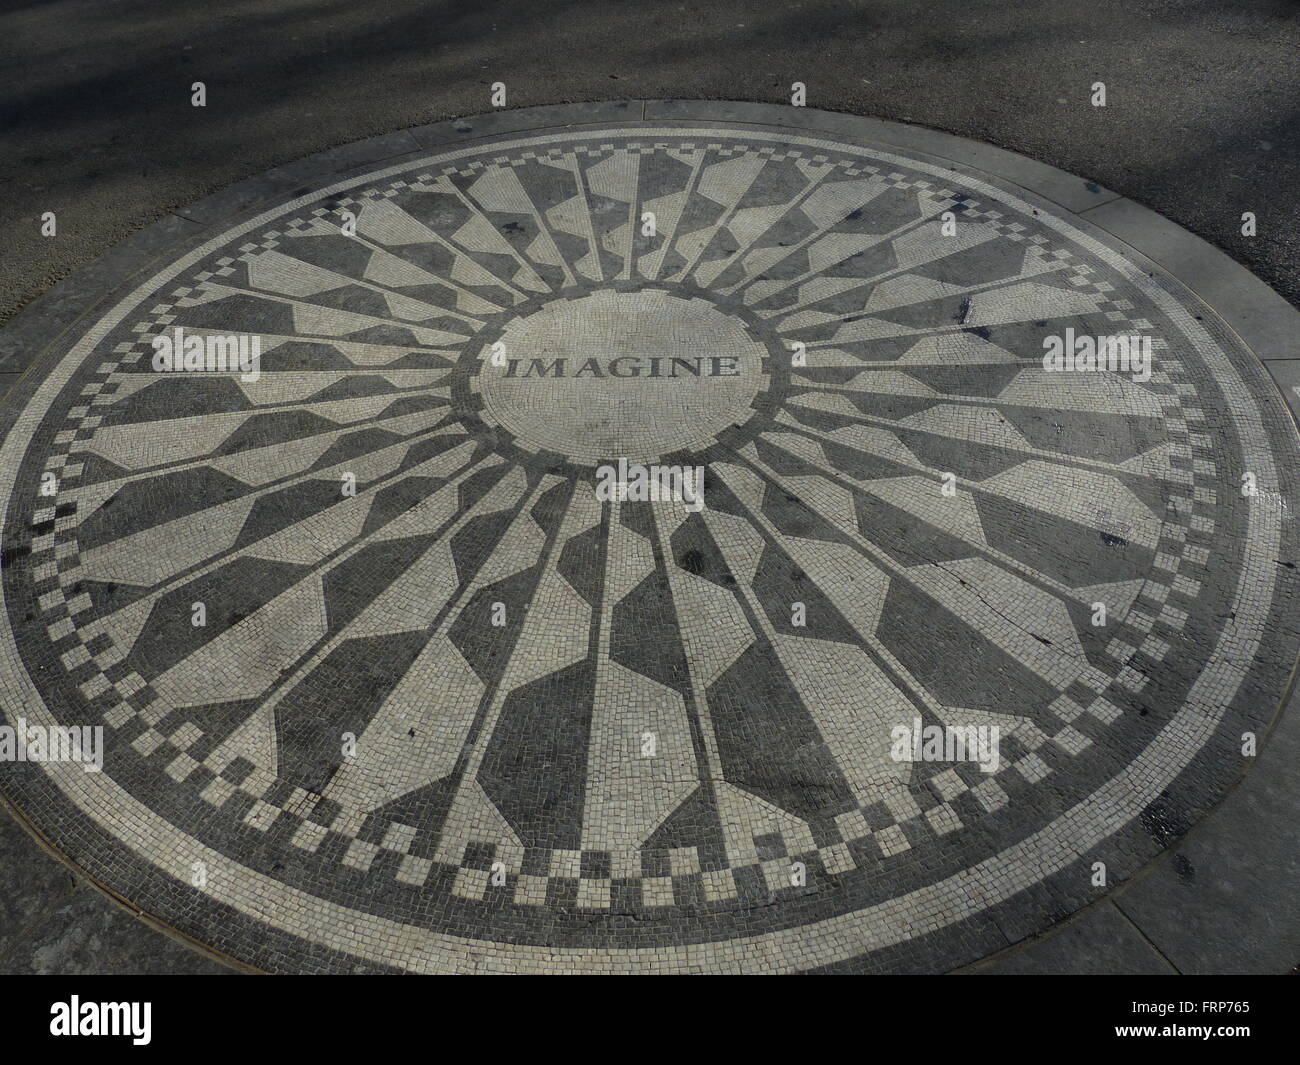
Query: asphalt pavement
(1201,123)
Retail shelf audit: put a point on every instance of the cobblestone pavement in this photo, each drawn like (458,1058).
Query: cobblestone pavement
(930,632)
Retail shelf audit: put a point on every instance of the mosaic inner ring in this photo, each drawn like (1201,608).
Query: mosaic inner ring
(448,710)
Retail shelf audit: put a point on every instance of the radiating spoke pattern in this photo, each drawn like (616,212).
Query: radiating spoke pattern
(360,620)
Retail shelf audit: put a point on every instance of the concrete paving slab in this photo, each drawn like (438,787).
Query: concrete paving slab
(1286,372)
(1099,942)
(1227,900)
(1259,315)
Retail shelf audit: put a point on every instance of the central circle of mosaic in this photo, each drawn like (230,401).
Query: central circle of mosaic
(373,652)
(621,374)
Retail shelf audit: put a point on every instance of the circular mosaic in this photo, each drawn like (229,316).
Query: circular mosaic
(642,548)
(634,374)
